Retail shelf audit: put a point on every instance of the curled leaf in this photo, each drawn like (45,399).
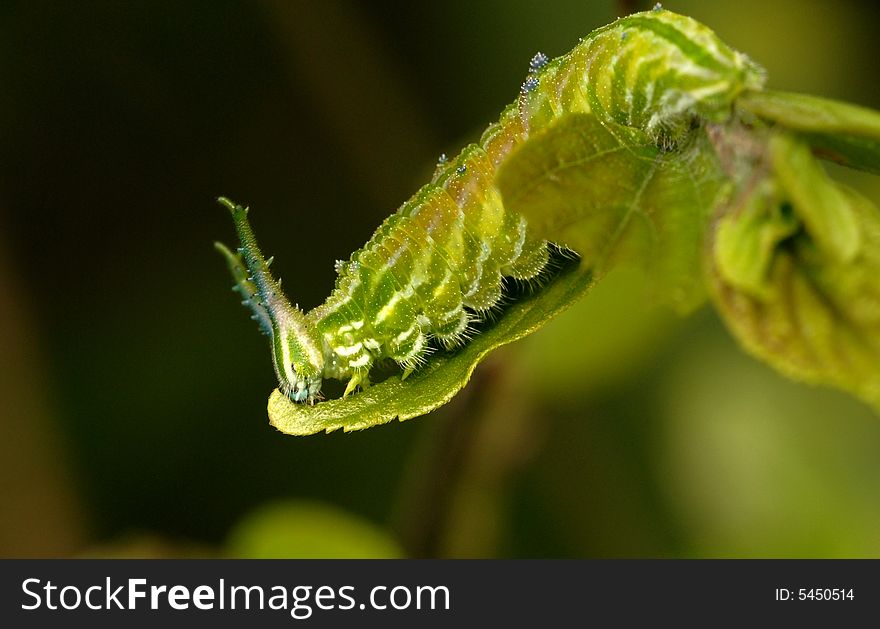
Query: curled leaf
(746,239)
(823,206)
(611,194)
(816,317)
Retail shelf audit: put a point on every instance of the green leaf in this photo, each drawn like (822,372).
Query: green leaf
(746,238)
(817,317)
(824,208)
(840,132)
(444,375)
(301,529)
(613,196)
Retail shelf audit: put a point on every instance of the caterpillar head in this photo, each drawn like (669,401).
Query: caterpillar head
(296,345)
(298,362)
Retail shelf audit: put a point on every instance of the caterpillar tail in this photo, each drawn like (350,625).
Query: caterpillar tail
(296,353)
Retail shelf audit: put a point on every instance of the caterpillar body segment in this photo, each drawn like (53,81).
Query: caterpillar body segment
(655,71)
(436,266)
(428,272)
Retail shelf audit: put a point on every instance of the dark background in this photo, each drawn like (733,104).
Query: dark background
(133,386)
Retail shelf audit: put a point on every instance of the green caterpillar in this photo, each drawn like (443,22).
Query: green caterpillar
(435,267)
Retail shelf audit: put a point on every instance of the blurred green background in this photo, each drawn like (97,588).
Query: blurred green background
(133,386)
